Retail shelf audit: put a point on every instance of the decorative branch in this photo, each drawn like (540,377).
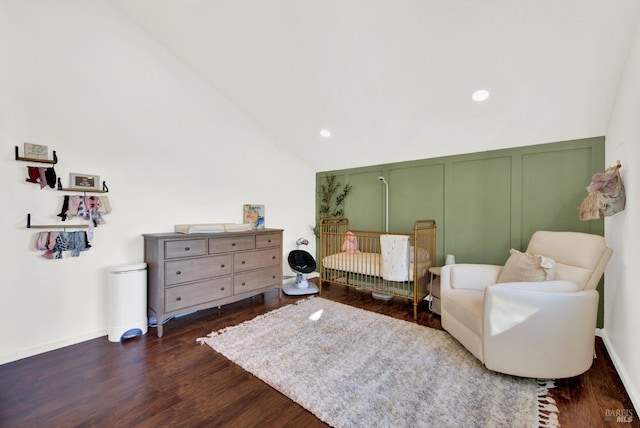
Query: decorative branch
(332,198)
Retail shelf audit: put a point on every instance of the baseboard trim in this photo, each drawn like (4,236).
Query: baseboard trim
(622,372)
(51,346)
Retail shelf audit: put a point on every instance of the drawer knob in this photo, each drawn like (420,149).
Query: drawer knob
(243,262)
(233,244)
(274,277)
(269,241)
(178,272)
(222,265)
(243,283)
(274,257)
(221,288)
(187,248)
(178,298)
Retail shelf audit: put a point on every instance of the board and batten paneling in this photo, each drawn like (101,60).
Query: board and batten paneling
(417,193)
(549,198)
(478,209)
(484,203)
(364,204)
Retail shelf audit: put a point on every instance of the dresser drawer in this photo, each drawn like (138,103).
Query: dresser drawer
(197,293)
(268,240)
(249,281)
(178,271)
(256,259)
(237,243)
(185,248)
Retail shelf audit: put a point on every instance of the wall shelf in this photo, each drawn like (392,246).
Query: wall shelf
(53,226)
(50,161)
(104,189)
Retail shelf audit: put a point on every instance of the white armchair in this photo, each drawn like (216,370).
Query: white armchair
(530,329)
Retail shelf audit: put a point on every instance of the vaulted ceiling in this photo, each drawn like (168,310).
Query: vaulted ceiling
(392,79)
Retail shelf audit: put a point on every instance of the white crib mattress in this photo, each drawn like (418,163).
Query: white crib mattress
(365,264)
(362,263)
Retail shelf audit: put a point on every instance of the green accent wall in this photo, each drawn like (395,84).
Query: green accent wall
(483,203)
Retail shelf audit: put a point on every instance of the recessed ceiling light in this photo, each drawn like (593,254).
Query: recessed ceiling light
(480,95)
(325,133)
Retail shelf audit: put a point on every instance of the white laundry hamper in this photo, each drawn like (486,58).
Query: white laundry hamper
(127,301)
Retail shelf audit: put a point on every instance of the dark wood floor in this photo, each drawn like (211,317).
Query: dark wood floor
(172,381)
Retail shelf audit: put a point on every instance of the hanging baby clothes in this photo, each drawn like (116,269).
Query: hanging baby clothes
(77,242)
(46,242)
(54,243)
(88,207)
(65,208)
(92,205)
(34,174)
(41,175)
(50,175)
(76,206)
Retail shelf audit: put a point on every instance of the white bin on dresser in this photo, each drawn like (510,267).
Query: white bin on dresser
(127,301)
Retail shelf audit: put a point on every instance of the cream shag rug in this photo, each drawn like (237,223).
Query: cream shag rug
(355,368)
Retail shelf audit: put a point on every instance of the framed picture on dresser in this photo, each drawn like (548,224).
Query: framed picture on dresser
(254,215)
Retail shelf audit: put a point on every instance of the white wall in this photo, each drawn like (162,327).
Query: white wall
(622,277)
(80,78)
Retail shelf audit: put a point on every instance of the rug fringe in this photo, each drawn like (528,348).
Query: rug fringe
(547,409)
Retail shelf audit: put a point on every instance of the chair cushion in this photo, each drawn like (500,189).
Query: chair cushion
(569,248)
(466,306)
(556,286)
(573,273)
(580,257)
(525,267)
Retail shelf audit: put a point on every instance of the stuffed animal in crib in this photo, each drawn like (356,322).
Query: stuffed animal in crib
(350,243)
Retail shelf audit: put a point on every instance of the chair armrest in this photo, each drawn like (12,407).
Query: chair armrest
(535,333)
(468,276)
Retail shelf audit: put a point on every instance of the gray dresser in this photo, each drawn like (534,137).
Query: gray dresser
(188,272)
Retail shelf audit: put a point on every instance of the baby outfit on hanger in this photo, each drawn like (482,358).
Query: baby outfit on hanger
(88,207)
(41,175)
(54,243)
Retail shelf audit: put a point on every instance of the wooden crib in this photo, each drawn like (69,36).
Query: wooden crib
(389,263)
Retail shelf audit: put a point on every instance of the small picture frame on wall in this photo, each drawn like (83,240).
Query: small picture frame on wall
(84,181)
(36,151)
